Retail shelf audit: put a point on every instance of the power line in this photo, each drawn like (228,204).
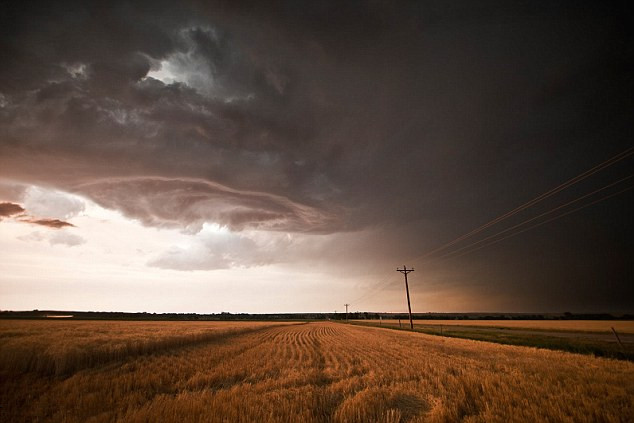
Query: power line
(547,221)
(380,286)
(603,165)
(452,253)
(535,200)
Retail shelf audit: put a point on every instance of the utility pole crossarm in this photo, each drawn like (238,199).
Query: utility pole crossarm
(405,271)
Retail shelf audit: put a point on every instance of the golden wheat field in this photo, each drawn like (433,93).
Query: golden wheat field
(297,372)
(621,326)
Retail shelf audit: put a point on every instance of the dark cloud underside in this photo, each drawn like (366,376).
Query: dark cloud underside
(15,210)
(51,223)
(10,209)
(422,119)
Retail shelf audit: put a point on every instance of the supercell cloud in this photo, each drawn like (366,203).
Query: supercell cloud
(407,124)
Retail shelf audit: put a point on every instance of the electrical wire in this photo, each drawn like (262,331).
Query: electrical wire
(547,221)
(452,253)
(534,201)
(603,165)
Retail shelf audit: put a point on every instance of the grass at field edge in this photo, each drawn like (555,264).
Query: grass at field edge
(579,346)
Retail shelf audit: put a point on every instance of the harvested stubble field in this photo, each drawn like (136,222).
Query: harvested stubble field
(303,372)
(578,336)
(622,326)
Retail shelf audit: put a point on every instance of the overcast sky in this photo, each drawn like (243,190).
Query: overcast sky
(262,157)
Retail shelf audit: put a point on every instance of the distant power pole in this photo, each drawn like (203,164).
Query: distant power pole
(346,311)
(405,271)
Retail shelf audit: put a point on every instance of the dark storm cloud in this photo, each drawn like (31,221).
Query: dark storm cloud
(427,117)
(191,202)
(223,121)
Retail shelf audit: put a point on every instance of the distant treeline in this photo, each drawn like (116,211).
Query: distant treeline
(100,315)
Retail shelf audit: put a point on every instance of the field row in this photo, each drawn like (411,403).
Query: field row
(60,348)
(323,372)
(605,326)
(601,343)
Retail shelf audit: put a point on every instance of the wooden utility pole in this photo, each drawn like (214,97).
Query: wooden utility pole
(346,311)
(405,271)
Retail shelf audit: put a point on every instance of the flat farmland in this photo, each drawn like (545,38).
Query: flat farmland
(604,326)
(579,336)
(293,372)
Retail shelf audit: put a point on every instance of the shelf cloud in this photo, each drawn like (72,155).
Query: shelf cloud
(333,120)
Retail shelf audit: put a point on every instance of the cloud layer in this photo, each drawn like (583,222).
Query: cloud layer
(56,238)
(10,209)
(189,202)
(19,213)
(422,119)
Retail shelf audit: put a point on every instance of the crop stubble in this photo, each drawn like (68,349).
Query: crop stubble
(622,326)
(315,372)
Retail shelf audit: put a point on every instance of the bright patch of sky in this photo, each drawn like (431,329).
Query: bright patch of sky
(76,70)
(168,72)
(105,263)
(186,67)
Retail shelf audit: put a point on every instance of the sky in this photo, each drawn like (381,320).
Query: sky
(248,156)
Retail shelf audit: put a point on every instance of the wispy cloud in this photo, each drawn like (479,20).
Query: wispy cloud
(51,223)
(19,213)
(65,238)
(223,249)
(61,237)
